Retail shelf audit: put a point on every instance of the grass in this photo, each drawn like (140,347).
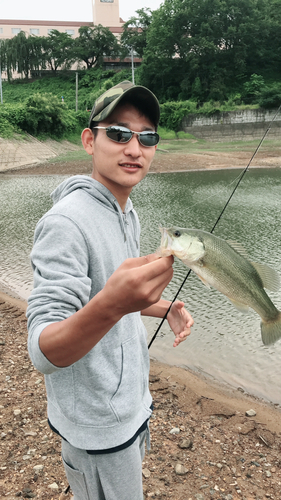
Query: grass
(188,146)
(194,146)
(71,156)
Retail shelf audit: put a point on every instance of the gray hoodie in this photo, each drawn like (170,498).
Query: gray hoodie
(100,401)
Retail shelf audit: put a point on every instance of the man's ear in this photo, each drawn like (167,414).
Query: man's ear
(87,138)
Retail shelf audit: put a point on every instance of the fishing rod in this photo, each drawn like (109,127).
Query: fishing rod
(217,221)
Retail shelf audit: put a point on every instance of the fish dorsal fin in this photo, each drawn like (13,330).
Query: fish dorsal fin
(270,278)
(238,247)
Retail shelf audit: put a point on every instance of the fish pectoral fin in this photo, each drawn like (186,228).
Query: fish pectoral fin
(204,281)
(243,308)
(270,278)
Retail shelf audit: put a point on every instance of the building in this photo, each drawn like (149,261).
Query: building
(105,12)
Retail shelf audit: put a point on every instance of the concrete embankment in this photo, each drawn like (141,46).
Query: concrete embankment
(27,150)
(246,124)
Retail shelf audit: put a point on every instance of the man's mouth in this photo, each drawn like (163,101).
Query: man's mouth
(131,165)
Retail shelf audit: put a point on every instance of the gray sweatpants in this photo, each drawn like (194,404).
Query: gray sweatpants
(111,476)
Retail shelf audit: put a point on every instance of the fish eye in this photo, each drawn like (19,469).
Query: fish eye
(177,233)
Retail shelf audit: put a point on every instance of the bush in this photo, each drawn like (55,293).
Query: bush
(46,114)
(82,118)
(173,112)
(11,119)
(270,96)
(166,134)
(252,89)
(183,135)
(6,128)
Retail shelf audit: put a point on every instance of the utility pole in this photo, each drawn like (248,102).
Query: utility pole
(133,70)
(1,93)
(76,92)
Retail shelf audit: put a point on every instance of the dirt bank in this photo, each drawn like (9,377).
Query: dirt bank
(203,444)
(163,162)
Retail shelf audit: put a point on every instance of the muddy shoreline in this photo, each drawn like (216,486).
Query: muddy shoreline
(163,162)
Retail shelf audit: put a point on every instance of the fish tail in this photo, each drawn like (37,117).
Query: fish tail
(271,330)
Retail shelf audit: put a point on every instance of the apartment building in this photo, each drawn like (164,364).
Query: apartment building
(105,12)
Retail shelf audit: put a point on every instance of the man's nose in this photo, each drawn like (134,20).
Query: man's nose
(133,147)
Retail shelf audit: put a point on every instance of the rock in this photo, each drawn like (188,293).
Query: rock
(30,433)
(210,407)
(185,444)
(250,413)
(268,473)
(38,467)
(175,430)
(17,412)
(28,493)
(180,470)
(199,496)
(160,386)
(53,486)
(146,473)
(247,427)
(266,437)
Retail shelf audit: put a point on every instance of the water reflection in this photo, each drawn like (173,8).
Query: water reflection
(224,343)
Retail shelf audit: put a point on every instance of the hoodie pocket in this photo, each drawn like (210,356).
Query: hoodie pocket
(132,386)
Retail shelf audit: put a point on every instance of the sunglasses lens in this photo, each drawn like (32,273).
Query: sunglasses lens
(149,138)
(123,135)
(119,134)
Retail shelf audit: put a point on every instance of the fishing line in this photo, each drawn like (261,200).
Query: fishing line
(217,221)
(202,202)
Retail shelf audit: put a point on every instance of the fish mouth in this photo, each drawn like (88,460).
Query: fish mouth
(166,243)
(168,246)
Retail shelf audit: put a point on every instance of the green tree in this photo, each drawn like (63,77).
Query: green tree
(135,31)
(22,54)
(217,41)
(93,44)
(58,50)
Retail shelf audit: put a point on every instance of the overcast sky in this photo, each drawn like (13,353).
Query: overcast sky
(65,10)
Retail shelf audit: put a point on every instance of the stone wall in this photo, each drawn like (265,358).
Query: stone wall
(234,125)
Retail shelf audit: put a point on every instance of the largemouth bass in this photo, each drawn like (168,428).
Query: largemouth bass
(224,265)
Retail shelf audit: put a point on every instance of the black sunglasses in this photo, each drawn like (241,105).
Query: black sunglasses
(122,134)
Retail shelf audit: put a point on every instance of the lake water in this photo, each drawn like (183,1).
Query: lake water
(224,344)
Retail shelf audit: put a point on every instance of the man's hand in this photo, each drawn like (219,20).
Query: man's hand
(138,283)
(180,322)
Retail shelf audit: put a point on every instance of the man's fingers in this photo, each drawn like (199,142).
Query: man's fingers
(148,259)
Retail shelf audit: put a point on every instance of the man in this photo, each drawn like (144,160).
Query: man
(90,286)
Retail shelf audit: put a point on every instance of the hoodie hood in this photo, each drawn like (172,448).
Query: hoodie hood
(92,187)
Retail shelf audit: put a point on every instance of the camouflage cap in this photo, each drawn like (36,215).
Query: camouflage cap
(107,102)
